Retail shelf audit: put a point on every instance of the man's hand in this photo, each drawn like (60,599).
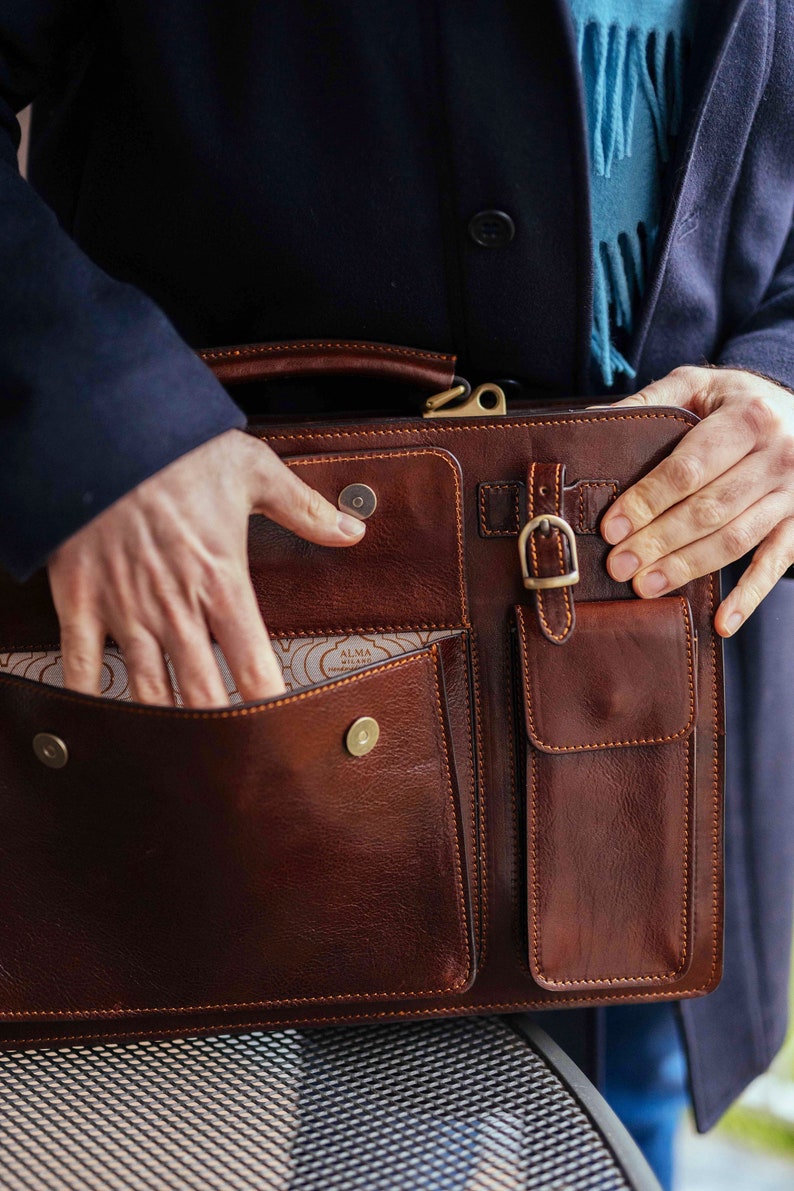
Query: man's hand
(167,565)
(726,488)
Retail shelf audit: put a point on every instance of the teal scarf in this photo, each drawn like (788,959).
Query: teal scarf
(632,55)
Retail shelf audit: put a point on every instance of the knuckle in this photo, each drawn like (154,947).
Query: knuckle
(79,660)
(315,506)
(72,589)
(652,546)
(224,592)
(687,372)
(786,454)
(753,591)
(175,614)
(148,683)
(255,674)
(759,416)
(708,512)
(637,506)
(739,538)
(679,570)
(685,471)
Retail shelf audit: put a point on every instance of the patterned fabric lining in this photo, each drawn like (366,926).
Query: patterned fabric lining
(304,661)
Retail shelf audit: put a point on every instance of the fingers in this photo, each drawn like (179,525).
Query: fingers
(684,387)
(710,450)
(281,495)
(82,650)
(147,673)
(713,552)
(772,558)
(195,666)
(167,564)
(699,516)
(244,640)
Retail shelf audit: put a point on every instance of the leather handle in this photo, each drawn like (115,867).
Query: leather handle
(434,371)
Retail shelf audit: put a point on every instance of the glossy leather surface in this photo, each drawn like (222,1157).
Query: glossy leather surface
(307,357)
(448,929)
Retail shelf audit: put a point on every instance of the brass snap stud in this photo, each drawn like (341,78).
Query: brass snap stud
(50,750)
(362,736)
(358,500)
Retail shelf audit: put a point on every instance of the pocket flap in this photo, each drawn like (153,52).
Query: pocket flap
(625,677)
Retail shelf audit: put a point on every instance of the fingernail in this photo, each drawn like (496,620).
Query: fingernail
(350,526)
(623,566)
(652,583)
(616,529)
(734,620)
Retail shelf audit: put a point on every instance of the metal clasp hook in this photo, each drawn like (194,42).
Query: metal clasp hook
(474,404)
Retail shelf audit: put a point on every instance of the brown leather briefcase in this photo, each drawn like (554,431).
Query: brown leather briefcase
(494,783)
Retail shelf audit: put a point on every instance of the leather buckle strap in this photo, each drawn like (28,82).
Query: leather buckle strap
(544,524)
(547,546)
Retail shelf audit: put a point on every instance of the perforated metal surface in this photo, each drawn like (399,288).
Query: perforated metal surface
(462,1105)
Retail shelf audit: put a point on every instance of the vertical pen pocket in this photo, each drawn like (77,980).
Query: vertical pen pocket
(608,735)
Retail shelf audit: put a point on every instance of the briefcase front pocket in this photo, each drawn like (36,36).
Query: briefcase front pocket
(607,721)
(305,850)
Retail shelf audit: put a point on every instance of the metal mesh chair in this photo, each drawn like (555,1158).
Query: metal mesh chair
(472,1104)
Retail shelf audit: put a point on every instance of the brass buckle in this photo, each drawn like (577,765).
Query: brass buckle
(472,405)
(544,523)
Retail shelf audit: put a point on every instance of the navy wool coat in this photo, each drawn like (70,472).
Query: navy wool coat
(221,171)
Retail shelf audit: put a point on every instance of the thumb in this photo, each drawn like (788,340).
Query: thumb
(683,387)
(278,493)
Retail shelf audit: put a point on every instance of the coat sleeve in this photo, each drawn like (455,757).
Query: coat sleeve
(765,341)
(97,390)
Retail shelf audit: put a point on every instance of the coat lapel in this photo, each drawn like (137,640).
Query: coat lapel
(716,27)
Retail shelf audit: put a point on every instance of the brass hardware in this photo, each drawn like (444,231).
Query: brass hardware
(358,500)
(544,582)
(50,750)
(362,736)
(472,405)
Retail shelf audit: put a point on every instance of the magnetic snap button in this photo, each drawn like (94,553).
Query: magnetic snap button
(362,736)
(359,500)
(50,750)
(491,229)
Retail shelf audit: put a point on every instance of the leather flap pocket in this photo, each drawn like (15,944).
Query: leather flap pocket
(305,850)
(609,767)
(625,678)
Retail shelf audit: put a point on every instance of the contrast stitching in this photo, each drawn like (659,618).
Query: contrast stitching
(447,751)
(122,707)
(473,427)
(533,546)
(472,790)
(483,841)
(447,1011)
(430,654)
(344,630)
(582,485)
(290,348)
(566,594)
(412,454)
(609,980)
(715,818)
(518,942)
(583,527)
(485,490)
(580,748)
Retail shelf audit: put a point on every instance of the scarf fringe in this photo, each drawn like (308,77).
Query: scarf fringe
(623,60)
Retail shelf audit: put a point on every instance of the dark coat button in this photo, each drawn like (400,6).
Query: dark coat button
(491,229)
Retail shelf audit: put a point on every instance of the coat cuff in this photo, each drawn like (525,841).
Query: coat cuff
(73,460)
(769,355)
